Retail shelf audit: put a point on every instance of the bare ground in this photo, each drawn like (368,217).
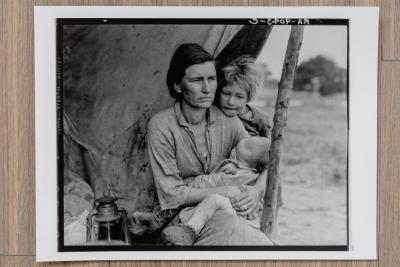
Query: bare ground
(313,171)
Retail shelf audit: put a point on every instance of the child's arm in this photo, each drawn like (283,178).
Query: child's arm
(196,195)
(228,168)
(221,179)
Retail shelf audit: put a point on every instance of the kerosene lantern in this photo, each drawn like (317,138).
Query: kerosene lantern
(107,223)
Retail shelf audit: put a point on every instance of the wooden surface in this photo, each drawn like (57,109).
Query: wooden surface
(17,162)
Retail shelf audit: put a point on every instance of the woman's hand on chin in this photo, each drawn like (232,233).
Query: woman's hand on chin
(245,202)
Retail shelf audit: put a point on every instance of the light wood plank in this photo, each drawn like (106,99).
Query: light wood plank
(135,264)
(389,171)
(95,2)
(197,3)
(219,264)
(364,263)
(17,261)
(18,193)
(194,264)
(23,261)
(390,15)
(314,3)
(326,264)
(4,124)
(364,2)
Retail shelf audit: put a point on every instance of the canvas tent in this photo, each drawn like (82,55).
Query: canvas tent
(113,83)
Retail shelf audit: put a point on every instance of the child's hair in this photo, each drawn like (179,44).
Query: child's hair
(256,152)
(240,71)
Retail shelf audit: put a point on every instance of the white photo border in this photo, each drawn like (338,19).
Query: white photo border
(362,157)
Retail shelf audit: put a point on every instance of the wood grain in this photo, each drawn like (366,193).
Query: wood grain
(24,261)
(17,196)
(18,190)
(364,2)
(3,127)
(390,30)
(389,174)
(196,264)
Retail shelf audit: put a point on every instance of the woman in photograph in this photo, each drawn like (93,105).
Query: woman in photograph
(188,140)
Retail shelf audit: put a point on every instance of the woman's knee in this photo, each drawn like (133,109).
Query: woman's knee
(220,202)
(216,198)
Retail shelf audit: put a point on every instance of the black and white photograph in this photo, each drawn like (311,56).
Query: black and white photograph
(202,133)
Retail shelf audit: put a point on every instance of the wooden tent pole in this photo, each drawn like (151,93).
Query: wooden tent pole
(280,118)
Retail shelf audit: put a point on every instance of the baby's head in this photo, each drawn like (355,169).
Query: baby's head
(237,83)
(254,151)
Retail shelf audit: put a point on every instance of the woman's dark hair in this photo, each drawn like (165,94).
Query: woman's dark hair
(185,56)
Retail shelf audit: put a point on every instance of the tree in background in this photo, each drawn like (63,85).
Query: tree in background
(320,74)
(266,81)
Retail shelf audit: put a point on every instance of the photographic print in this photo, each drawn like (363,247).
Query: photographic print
(171,128)
(227,133)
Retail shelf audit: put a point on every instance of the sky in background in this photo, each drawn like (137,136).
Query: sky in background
(330,41)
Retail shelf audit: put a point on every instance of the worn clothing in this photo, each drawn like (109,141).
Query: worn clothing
(197,217)
(216,178)
(174,159)
(239,166)
(258,124)
(225,229)
(207,207)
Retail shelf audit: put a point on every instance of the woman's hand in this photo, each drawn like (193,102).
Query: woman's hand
(245,202)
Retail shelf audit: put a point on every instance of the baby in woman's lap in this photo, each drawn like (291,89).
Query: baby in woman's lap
(248,159)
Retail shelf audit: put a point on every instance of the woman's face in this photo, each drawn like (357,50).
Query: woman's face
(198,85)
(232,100)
